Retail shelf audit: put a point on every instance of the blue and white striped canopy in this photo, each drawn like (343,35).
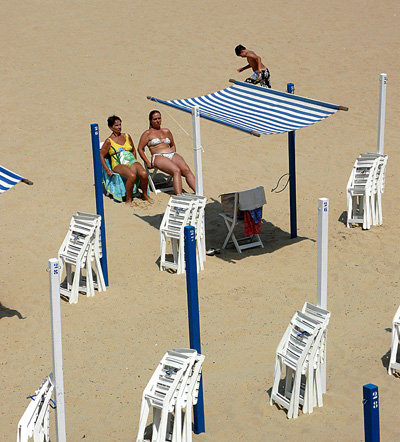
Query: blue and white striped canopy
(8,179)
(256,109)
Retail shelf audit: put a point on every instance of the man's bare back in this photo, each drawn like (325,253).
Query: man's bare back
(254,62)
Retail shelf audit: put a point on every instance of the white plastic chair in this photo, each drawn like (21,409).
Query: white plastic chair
(74,252)
(360,192)
(152,175)
(230,202)
(80,248)
(35,420)
(162,391)
(296,351)
(322,317)
(187,398)
(175,219)
(96,250)
(394,364)
(197,220)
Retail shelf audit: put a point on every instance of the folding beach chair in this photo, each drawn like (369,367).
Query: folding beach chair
(176,217)
(152,178)
(297,351)
(35,420)
(394,363)
(231,205)
(95,249)
(197,220)
(73,253)
(360,192)
(162,391)
(187,397)
(322,317)
(80,248)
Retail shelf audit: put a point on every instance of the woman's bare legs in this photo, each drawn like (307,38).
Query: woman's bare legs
(131,173)
(185,171)
(168,166)
(144,179)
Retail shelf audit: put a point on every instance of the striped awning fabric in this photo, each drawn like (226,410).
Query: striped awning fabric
(8,179)
(256,109)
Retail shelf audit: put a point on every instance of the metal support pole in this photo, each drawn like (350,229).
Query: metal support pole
(198,167)
(99,196)
(194,317)
(371,413)
(292,176)
(322,277)
(56,342)
(382,111)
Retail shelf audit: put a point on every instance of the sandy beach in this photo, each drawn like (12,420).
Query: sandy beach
(65,65)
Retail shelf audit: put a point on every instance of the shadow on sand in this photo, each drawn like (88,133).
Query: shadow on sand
(272,236)
(9,313)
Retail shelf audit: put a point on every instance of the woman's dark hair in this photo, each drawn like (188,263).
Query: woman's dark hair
(239,49)
(151,116)
(111,120)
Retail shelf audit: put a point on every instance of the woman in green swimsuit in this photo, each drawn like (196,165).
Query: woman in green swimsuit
(123,159)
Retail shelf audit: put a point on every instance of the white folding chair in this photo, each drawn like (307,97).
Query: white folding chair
(74,252)
(187,397)
(161,393)
(96,250)
(360,192)
(394,364)
(197,220)
(378,185)
(35,420)
(296,352)
(322,317)
(175,219)
(230,203)
(152,177)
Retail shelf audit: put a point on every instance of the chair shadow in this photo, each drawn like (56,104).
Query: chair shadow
(6,312)
(385,359)
(273,237)
(343,218)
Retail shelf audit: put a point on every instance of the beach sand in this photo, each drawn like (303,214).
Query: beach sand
(67,65)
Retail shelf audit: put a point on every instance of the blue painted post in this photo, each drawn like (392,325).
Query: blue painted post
(292,176)
(371,413)
(99,196)
(194,317)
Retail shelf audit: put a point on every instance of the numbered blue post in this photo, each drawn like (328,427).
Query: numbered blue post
(194,317)
(292,176)
(371,413)
(98,184)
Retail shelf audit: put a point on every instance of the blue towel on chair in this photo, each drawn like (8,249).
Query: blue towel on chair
(115,184)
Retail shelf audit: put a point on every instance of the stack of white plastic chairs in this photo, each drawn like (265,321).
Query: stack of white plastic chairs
(364,190)
(301,352)
(182,210)
(80,248)
(171,392)
(35,420)
(394,364)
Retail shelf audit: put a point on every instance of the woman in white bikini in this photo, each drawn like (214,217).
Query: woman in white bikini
(163,153)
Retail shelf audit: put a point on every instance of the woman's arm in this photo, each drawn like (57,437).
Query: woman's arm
(133,146)
(170,136)
(141,146)
(103,152)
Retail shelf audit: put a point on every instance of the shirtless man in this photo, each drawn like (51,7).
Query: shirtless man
(261,73)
